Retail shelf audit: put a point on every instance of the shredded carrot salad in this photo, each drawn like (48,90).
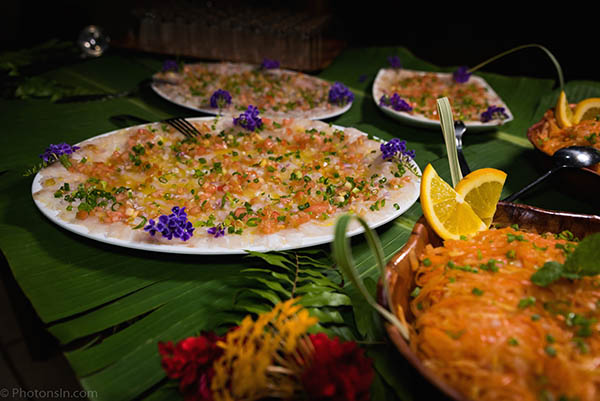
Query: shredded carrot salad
(549,137)
(489,332)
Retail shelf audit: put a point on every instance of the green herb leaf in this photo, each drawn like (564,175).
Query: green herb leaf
(526,302)
(64,160)
(551,351)
(550,272)
(476,291)
(584,260)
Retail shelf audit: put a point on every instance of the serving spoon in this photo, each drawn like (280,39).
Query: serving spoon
(570,157)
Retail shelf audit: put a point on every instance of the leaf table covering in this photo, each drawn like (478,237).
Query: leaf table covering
(108,307)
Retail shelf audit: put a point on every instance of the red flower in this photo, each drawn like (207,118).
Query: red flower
(191,361)
(338,372)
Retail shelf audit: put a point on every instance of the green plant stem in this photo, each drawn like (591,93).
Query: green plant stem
(552,58)
(447,125)
(342,253)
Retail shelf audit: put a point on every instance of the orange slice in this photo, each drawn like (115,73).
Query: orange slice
(445,209)
(481,189)
(588,109)
(563,112)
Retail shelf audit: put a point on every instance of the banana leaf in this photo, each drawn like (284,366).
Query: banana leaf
(108,307)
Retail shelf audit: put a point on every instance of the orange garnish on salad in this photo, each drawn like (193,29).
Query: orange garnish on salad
(588,109)
(563,112)
(481,189)
(446,210)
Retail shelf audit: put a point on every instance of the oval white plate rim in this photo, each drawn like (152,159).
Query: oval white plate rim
(81,230)
(211,111)
(426,122)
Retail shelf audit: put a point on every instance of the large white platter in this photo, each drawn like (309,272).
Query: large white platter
(172,88)
(159,91)
(276,242)
(417,120)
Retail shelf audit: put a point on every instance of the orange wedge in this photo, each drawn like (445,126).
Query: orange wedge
(481,189)
(445,209)
(588,109)
(563,112)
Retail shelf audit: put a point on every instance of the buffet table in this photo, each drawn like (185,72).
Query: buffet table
(109,306)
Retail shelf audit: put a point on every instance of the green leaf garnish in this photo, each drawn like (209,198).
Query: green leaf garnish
(64,160)
(583,261)
(550,272)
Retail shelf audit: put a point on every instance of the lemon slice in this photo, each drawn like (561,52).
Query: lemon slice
(481,189)
(587,109)
(563,112)
(445,210)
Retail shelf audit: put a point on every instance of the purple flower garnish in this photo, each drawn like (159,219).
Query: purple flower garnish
(493,113)
(394,62)
(54,152)
(170,65)
(340,94)
(461,75)
(249,119)
(395,102)
(269,64)
(174,225)
(395,146)
(216,231)
(220,98)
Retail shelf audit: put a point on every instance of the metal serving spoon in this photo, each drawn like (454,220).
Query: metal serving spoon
(572,156)
(459,130)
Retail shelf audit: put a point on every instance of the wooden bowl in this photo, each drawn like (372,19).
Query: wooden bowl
(399,271)
(534,133)
(582,183)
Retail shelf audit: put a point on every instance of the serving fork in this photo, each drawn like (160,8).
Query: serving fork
(179,123)
(182,125)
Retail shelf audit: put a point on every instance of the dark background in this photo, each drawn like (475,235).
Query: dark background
(457,34)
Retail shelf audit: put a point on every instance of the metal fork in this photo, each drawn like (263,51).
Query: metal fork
(182,125)
(179,123)
(459,130)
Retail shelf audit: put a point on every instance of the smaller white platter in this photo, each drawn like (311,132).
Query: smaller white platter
(386,77)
